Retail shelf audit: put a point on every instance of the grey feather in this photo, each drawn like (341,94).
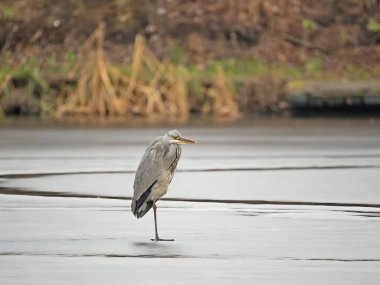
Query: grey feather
(149,167)
(154,174)
(142,205)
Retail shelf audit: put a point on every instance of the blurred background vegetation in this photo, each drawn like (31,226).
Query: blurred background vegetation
(171,59)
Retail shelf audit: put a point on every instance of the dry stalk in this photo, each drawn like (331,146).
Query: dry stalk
(97,91)
(153,88)
(222,98)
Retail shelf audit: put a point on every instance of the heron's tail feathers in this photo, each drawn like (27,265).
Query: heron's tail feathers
(143,204)
(139,212)
(133,207)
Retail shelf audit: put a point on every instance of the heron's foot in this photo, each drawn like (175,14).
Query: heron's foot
(161,239)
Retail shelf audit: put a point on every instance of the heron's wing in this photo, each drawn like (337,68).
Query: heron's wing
(149,168)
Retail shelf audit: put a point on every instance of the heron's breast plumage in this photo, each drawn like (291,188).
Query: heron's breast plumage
(171,158)
(175,158)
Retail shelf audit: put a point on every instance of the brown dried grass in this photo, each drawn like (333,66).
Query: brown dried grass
(221,98)
(152,89)
(99,84)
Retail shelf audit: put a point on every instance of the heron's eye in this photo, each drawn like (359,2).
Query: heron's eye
(177,138)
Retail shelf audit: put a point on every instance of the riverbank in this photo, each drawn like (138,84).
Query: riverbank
(196,58)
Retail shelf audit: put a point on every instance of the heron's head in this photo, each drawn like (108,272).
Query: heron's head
(175,136)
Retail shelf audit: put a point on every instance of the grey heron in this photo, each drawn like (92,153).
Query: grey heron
(155,172)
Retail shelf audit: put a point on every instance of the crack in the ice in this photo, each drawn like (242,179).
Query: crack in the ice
(25,192)
(333,259)
(107,255)
(281,168)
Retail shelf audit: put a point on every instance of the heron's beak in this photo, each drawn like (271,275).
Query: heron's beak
(186,141)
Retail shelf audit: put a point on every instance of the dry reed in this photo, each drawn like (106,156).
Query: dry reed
(99,85)
(221,98)
(152,89)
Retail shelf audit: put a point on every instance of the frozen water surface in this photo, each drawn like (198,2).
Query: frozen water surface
(279,203)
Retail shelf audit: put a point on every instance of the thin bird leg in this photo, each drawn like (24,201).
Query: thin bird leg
(155,221)
(155,225)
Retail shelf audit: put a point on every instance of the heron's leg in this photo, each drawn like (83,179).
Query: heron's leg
(155,221)
(155,225)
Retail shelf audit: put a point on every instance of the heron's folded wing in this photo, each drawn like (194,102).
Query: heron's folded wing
(149,168)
